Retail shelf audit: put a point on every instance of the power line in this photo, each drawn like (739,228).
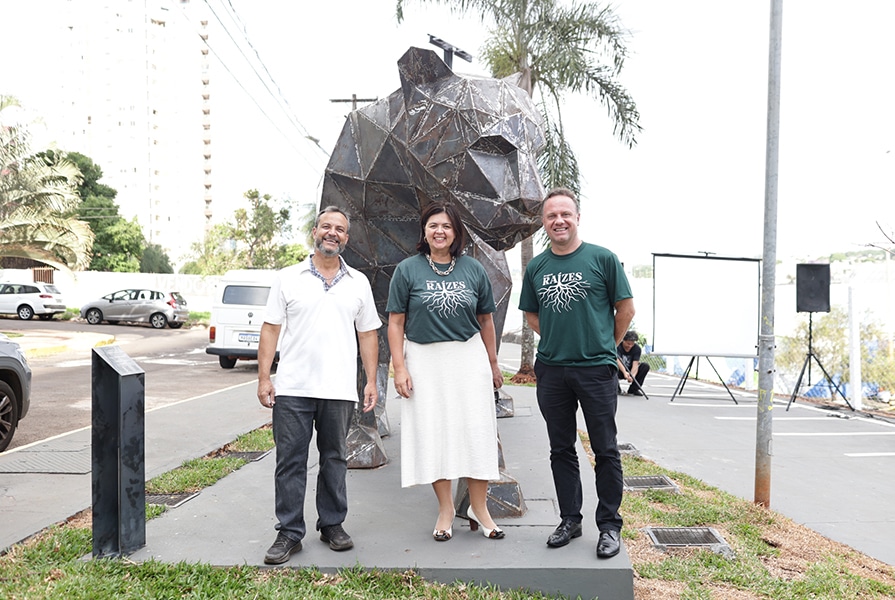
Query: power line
(278,95)
(247,92)
(244,30)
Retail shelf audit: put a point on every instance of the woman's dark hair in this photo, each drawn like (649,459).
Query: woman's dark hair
(459,242)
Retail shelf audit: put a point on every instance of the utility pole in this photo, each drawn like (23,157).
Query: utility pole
(354,100)
(449,51)
(766,343)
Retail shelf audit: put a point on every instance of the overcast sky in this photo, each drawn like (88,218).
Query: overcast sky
(698,72)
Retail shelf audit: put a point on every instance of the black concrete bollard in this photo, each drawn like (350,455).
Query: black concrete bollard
(117,453)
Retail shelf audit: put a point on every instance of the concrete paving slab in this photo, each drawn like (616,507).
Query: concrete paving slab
(829,468)
(232,523)
(31,501)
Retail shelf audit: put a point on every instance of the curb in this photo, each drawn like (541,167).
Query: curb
(42,351)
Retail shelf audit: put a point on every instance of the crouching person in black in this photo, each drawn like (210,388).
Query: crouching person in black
(629,366)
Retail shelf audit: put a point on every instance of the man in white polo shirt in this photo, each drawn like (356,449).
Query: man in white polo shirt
(314,309)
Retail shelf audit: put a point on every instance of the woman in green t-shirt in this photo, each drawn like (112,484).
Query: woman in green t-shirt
(443,346)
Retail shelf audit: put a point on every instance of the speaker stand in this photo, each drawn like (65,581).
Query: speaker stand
(807,365)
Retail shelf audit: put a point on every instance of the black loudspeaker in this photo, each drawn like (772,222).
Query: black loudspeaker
(812,288)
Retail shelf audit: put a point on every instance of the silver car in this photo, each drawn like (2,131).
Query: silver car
(15,389)
(140,306)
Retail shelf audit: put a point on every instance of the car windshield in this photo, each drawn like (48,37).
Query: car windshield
(52,289)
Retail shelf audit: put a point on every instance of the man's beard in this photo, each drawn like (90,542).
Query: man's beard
(326,251)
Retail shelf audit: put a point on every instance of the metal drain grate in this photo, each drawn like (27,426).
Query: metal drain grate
(640,483)
(170,500)
(49,462)
(665,538)
(628,449)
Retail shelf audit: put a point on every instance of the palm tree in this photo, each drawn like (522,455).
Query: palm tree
(37,192)
(557,48)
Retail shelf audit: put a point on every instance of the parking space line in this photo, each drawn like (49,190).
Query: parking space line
(836,433)
(776,419)
(868,454)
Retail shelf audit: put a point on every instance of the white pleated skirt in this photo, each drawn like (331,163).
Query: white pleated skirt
(449,423)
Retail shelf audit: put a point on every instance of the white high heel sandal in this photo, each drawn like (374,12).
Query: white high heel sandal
(493,534)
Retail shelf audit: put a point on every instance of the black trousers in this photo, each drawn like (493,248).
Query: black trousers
(642,370)
(561,390)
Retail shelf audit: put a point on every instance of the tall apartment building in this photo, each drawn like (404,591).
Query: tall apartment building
(135,96)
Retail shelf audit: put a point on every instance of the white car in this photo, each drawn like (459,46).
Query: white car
(29,299)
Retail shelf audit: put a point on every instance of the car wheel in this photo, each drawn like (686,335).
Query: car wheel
(177,325)
(25,312)
(227,362)
(9,415)
(94,316)
(158,320)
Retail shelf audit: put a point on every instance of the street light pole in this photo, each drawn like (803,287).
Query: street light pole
(766,343)
(354,100)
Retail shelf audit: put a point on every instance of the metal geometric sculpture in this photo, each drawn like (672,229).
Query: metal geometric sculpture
(471,142)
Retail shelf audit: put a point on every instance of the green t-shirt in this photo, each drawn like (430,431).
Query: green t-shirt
(574,296)
(436,308)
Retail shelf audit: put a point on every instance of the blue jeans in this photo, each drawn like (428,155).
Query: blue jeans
(560,391)
(294,420)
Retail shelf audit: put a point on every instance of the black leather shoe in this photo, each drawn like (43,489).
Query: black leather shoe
(634,392)
(281,550)
(336,537)
(563,534)
(609,544)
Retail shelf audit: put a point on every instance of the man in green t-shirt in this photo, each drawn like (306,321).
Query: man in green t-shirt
(576,296)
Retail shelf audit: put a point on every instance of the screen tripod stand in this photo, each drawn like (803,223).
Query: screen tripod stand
(807,365)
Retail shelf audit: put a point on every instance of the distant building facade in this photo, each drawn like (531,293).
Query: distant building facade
(134,95)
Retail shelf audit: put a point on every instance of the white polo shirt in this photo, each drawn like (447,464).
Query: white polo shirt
(318,345)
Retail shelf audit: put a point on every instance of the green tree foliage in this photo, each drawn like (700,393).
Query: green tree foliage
(215,254)
(258,229)
(38,193)
(829,343)
(290,255)
(118,247)
(155,260)
(252,240)
(119,244)
(91,173)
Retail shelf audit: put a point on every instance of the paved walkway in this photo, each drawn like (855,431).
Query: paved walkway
(831,471)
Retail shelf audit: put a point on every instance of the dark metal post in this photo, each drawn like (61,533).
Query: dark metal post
(354,100)
(766,342)
(449,51)
(117,453)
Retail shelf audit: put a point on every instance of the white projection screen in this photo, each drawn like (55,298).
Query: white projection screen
(706,305)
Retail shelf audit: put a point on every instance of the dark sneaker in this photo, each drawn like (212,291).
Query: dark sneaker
(281,550)
(336,537)
(635,392)
(563,534)
(609,544)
